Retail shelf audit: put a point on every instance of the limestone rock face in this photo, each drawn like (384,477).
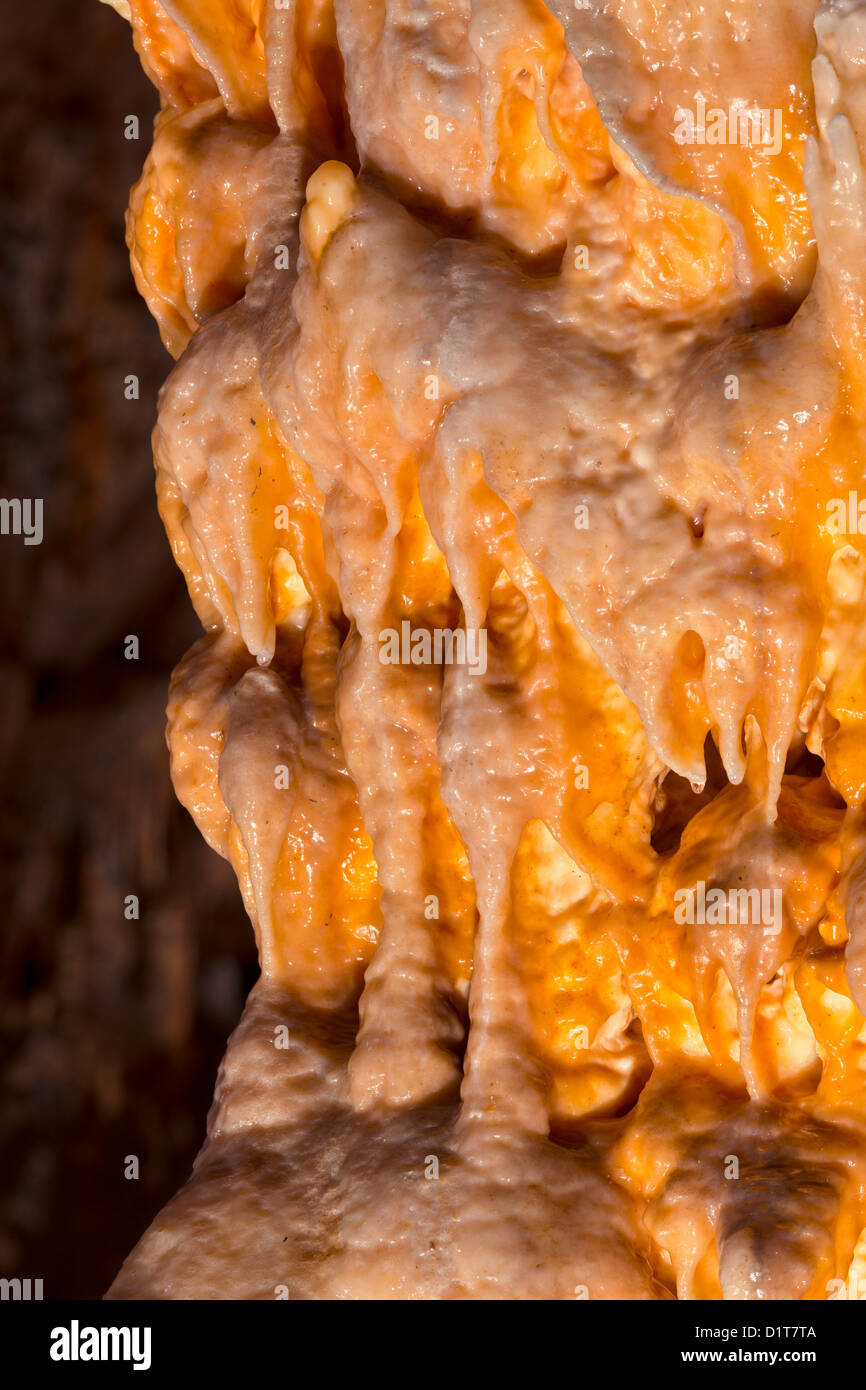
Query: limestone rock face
(511,457)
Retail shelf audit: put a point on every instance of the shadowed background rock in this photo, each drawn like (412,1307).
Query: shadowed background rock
(111,1029)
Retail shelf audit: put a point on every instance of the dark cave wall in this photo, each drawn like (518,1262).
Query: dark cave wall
(110,1029)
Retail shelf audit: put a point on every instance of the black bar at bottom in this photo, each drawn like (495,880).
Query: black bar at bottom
(240,1342)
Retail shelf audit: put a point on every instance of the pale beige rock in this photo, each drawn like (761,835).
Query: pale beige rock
(491,1054)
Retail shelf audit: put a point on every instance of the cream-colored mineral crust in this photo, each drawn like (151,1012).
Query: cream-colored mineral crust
(503,457)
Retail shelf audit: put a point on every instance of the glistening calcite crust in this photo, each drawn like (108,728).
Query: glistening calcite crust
(560,932)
